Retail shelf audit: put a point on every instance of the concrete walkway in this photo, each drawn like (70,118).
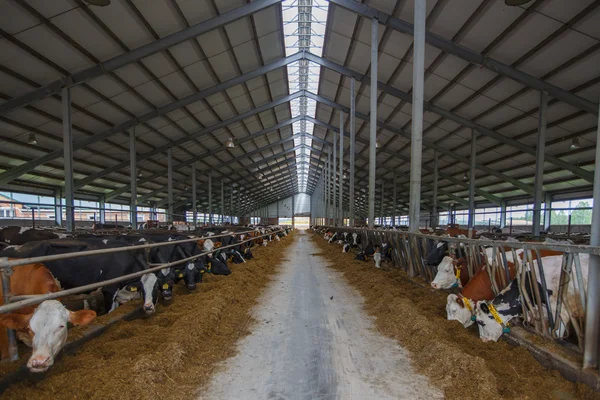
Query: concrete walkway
(313,341)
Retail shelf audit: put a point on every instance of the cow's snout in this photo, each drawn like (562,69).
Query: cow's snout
(191,286)
(40,363)
(167,295)
(149,308)
(434,285)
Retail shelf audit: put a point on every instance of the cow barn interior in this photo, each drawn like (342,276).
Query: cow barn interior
(264,199)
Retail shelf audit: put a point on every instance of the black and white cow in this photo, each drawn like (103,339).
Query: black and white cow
(493,317)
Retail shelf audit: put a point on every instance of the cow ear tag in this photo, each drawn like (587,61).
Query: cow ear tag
(132,289)
(506,329)
(473,318)
(181,275)
(166,286)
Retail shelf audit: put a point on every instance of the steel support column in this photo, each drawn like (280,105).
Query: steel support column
(373,119)
(58,207)
(231,204)
(210,216)
(133,179)
(416,144)
(503,214)
(222,202)
(194,198)
(352,150)
(592,321)
(169,186)
(328,191)
(102,209)
(334,179)
(547,211)
(538,186)
(472,182)
(435,215)
(293,211)
(395,199)
(68,159)
(382,200)
(341,172)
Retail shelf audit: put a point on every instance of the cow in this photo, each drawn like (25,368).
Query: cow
(553,265)
(461,307)
(451,272)
(46,329)
(28,279)
(85,270)
(17,235)
(493,317)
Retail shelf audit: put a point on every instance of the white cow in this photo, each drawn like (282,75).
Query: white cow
(46,328)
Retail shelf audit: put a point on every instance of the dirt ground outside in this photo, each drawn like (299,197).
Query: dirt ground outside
(454,358)
(168,355)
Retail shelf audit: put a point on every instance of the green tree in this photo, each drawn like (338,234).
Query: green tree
(581,217)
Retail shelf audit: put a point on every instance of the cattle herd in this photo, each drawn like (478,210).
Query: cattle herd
(492,287)
(190,257)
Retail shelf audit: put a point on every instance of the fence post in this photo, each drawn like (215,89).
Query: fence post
(13,350)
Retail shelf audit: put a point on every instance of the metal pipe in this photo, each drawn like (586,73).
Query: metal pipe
(231,204)
(547,211)
(373,119)
(68,159)
(416,144)
(87,288)
(102,209)
(133,178)
(538,186)
(169,186)
(16,262)
(472,182)
(334,178)
(341,173)
(352,149)
(503,214)
(592,321)
(435,216)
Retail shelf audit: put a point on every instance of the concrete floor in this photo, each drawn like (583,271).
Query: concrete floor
(313,341)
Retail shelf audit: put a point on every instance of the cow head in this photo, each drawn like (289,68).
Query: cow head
(165,279)
(458,310)
(446,275)
(489,328)
(47,329)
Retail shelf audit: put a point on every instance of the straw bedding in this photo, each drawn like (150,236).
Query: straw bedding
(454,358)
(170,354)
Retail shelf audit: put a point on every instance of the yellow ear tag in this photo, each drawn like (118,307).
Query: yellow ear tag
(181,275)
(132,289)
(166,286)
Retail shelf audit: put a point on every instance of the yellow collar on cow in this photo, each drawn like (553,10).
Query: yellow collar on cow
(496,316)
(457,274)
(467,304)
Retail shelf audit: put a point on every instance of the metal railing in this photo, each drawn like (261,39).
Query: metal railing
(6,266)
(548,315)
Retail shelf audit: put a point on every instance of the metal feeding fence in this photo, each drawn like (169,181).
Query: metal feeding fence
(7,265)
(556,310)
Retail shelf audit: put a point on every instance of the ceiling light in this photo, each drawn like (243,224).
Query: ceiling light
(229,144)
(260,175)
(99,3)
(377,144)
(514,3)
(31,139)
(140,175)
(465,177)
(345,175)
(575,144)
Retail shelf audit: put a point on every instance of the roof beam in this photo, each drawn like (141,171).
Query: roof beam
(16,172)
(406,97)
(136,54)
(208,153)
(471,56)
